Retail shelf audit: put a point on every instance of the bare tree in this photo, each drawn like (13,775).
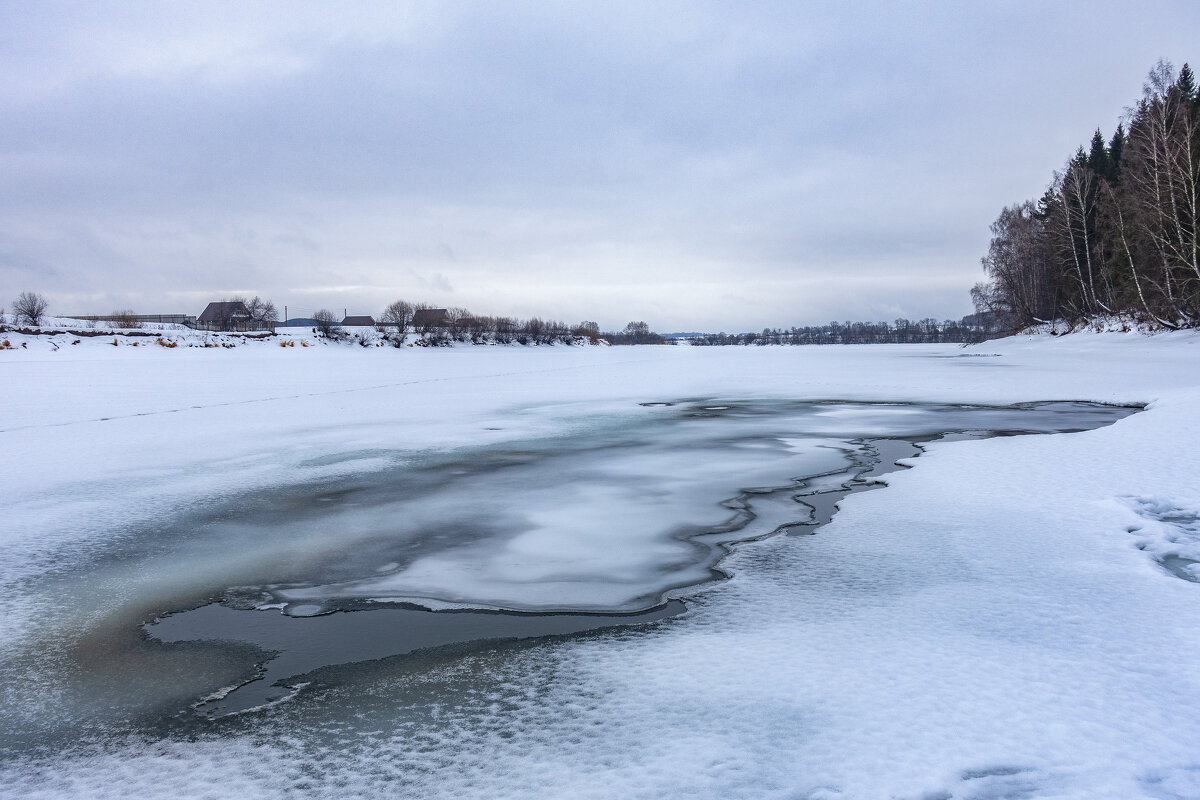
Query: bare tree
(1019,264)
(398,315)
(558,331)
(30,307)
(327,324)
(531,331)
(589,329)
(479,327)
(504,329)
(638,332)
(1163,182)
(1074,222)
(1125,241)
(458,321)
(262,312)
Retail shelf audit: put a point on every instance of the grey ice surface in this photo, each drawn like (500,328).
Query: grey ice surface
(684,487)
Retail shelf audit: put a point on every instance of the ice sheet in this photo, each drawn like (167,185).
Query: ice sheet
(985,626)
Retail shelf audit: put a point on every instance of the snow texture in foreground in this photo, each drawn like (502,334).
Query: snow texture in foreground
(996,623)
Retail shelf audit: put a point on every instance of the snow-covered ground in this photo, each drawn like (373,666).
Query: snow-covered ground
(1010,618)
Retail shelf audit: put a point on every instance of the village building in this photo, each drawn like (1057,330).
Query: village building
(359,322)
(430,318)
(229,315)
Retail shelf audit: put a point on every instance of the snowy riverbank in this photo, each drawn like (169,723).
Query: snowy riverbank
(997,622)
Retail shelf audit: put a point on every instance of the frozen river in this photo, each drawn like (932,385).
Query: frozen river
(626,572)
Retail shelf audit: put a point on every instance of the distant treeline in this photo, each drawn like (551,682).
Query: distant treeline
(440,326)
(1118,229)
(926,331)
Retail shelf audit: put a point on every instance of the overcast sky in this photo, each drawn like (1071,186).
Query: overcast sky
(699,166)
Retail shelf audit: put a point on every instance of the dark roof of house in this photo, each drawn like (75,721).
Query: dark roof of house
(223,310)
(426,316)
(358,321)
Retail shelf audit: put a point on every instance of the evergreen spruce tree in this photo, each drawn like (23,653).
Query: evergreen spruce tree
(1080,159)
(1186,85)
(1097,158)
(1115,148)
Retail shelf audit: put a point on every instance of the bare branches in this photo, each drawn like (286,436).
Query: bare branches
(398,315)
(327,324)
(262,312)
(30,307)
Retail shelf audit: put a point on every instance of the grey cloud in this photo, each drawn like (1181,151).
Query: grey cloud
(522,154)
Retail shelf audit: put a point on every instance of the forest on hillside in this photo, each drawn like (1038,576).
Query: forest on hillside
(1116,231)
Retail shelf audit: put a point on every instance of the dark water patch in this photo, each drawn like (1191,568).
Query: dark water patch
(821,495)
(301,645)
(316,635)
